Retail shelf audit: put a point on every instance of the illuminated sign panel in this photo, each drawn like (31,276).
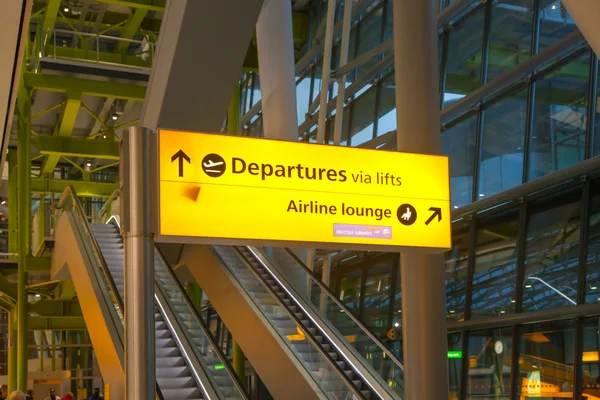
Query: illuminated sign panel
(231,189)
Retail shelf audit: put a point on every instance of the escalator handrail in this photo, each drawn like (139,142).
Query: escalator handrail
(108,201)
(333,297)
(69,194)
(203,326)
(307,334)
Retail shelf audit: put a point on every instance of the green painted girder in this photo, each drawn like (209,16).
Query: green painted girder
(76,147)
(56,308)
(66,84)
(131,28)
(82,188)
(148,5)
(64,128)
(93,57)
(50,14)
(37,323)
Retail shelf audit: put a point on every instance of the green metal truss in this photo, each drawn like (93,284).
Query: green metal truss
(82,188)
(76,147)
(91,87)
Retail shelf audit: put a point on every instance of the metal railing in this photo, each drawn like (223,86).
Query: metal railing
(146,52)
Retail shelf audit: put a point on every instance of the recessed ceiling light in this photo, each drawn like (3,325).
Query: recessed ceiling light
(66,9)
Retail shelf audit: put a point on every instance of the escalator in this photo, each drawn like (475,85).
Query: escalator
(188,362)
(299,312)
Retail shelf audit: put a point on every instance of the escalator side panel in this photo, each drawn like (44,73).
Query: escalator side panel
(102,332)
(281,372)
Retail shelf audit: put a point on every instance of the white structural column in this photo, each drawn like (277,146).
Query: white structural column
(275,43)
(586,14)
(418,116)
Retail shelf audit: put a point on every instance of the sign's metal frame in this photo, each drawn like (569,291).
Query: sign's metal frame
(155,221)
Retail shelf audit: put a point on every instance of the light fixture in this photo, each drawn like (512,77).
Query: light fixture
(455,207)
(115,116)
(2,201)
(103,136)
(554,6)
(396,324)
(481,194)
(502,312)
(66,9)
(451,311)
(513,301)
(591,287)
(37,296)
(527,286)
(88,163)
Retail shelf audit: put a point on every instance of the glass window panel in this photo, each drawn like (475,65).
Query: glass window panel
(592,291)
(560,118)
(388,27)
(256,94)
(363,115)
(463,63)
(552,252)
(387,105)
(494,278)
(590,358)
(458,143)
(490,364)
(511,33)
(454,364)
(555,22)
(369,36)
(302,98)
(377,295)
(546,354)
(350,290)
(397,311)
(503,137)
(456,273)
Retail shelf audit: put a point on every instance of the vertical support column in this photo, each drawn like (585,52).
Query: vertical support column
(418,117)
(233,128)
(277,70)
(326,70)
(24,233)
(13,212)
(42,219)
(12,350)
(139,271)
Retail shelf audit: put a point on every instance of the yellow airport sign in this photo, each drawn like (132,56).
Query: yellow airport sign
(239,190)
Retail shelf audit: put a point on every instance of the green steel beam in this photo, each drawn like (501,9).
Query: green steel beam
(93,57)
(13,212)
(82,188)
(64,128)
(148,5)
(76,147)
(37,323)
(91,87)
(56,308)
(50,14)
(12,350)
(66,291)
(131,28)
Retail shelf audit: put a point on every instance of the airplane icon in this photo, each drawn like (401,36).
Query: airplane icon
(212,164)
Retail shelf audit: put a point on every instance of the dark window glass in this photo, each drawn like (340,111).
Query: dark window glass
(377,295)
(552,252)
(350,290)
(590,358)
(458,143)
(455,354)
(555,22)
(388,27)
(560,117)
(490,364)
(511,32)
(546,354)
(387,105)
(494,278)
(592,291)
(302,98)
(463,63)
(503,138)
(369,36)
(456,273)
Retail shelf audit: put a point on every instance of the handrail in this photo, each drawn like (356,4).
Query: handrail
(202,324)
(307,334)
(70,194)
(325,288)
(107,203)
